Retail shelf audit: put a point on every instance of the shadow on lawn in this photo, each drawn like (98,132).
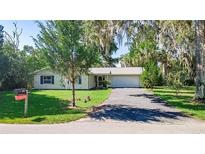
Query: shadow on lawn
(180,101)
(184,102)
(170,88)
(39,105)
(128,113)
(173,91)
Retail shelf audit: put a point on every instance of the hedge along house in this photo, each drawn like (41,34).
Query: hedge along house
(117,77)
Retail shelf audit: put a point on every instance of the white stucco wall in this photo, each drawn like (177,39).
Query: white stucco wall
(88,81)
(91,82)
(140,80)
(59,81)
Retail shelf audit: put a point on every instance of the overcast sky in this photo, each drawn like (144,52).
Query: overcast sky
(30,28)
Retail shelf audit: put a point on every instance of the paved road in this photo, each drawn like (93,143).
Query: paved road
(128,110)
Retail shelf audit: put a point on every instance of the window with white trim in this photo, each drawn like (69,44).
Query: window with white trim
(48,79)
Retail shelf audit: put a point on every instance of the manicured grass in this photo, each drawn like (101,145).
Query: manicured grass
(49,106)
(184,100)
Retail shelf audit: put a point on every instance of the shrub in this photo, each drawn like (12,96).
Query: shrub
(151,76)
(105,83)
(175,80)
(189,82)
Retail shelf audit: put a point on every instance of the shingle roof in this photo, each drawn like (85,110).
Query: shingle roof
(110,70)
(117,70)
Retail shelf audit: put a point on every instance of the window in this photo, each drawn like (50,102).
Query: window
(79,80)
(47,79)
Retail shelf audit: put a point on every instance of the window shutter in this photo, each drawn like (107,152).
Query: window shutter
(52,79)
(79,80)
(41,79)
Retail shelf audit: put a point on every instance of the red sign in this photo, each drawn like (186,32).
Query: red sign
(20,97)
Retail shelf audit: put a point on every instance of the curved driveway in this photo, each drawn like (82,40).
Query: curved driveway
(128,110)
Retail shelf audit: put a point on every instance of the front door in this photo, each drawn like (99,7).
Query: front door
(99,81)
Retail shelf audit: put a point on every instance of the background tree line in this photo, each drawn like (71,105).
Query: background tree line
(171,52)
(17,66)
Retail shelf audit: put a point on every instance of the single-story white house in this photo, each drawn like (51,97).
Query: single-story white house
(118,77)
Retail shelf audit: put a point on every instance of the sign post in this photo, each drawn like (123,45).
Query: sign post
(22,94)
(26,105)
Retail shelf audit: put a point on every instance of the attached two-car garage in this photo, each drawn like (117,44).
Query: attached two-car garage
(125,81)
(120,77)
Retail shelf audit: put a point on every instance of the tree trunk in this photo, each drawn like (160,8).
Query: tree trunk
(200,60)
(73,81)
(73,93)
(164,69)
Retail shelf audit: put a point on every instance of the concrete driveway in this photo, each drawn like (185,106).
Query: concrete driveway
(128,110)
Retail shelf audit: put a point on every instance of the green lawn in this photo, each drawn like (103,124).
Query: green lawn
(184,101)
(49,106)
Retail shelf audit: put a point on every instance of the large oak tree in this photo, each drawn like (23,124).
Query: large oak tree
(200,59)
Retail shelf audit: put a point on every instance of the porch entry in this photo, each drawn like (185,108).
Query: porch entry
(99,80)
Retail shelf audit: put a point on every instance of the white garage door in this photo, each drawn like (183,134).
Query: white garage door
(125,81)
